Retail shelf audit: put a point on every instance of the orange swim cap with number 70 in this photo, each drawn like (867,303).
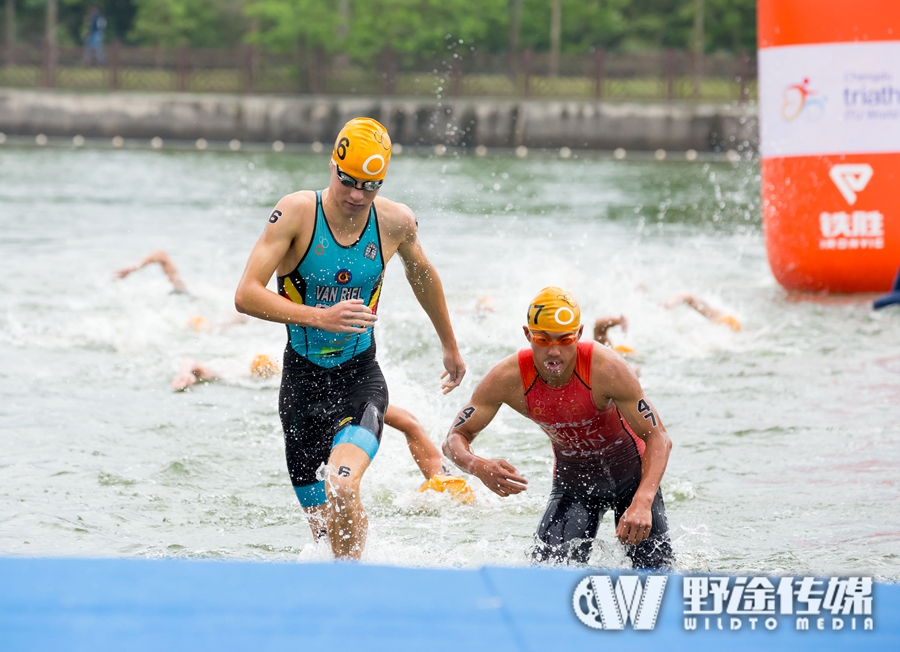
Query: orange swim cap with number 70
(363,149)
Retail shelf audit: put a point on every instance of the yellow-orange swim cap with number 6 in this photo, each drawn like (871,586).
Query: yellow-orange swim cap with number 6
(554,310)
(363,149)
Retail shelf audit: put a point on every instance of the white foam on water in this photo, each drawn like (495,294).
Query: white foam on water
(780,431)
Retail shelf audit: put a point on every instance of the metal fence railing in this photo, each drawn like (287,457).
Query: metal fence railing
(665,75)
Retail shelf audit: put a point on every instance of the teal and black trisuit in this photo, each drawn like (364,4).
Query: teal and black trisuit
(332,390)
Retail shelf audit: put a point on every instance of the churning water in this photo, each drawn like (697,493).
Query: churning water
(786,435)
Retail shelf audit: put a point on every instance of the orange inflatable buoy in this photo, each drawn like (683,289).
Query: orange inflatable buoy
(829,98)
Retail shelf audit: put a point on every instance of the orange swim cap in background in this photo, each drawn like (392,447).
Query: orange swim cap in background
(199,324)
(554,310)
(363,149)
(730,321)
(264,367)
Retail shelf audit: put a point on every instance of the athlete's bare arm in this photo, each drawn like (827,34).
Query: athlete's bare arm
(701,306)
(189,372)
(694,302)
(426,455)
(502,384)
(612,379)
(281,246)
(426,284)
(164,261)
(603,324)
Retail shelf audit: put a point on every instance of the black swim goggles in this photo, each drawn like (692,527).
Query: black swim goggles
(350,182)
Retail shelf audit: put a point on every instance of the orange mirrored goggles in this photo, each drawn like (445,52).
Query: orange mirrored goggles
(545,340)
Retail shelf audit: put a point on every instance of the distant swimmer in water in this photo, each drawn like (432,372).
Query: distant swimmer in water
(603,324)
(329,250)
(190,372)
(198,323)
(609,443)
(426,455)
(715,316)
(165,262)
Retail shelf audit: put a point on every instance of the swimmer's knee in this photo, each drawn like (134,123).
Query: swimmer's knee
(577,551)
(359,436)
(342,488)
(311,495)
(653,553)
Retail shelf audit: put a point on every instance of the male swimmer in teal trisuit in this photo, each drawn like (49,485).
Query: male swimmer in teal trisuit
(329,250)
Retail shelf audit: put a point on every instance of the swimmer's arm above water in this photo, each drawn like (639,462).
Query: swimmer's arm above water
(614,379)
(164,261)
(715,316)
(275,247)
(603,324)
(429,291)
(497,387)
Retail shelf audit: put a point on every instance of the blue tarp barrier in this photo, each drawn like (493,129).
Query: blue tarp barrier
(131,604)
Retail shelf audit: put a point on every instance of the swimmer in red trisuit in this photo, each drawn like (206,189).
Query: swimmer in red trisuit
(609,443)
(329,250)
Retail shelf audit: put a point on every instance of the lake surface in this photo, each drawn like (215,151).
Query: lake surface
(786,435)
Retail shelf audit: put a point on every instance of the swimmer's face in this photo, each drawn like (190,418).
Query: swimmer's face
(352,199)
(554,353)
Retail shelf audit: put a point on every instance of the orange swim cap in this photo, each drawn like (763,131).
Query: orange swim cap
(199,324)
(458,488)
(264,367)
(363,149)
(730,321)
(554,310)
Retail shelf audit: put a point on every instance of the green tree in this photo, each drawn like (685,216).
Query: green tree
(730,25)
(287,24)
(199,23)
(425,27)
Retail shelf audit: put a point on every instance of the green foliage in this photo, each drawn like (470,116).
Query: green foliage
(731,25)
(413,28)
(408,27)
(200,23)
(286,24)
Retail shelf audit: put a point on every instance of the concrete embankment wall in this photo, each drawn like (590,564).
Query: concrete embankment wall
(454,122)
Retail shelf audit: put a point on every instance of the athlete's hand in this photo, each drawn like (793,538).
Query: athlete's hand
(454,370)
(500,477)
(635,524)
(351,316)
